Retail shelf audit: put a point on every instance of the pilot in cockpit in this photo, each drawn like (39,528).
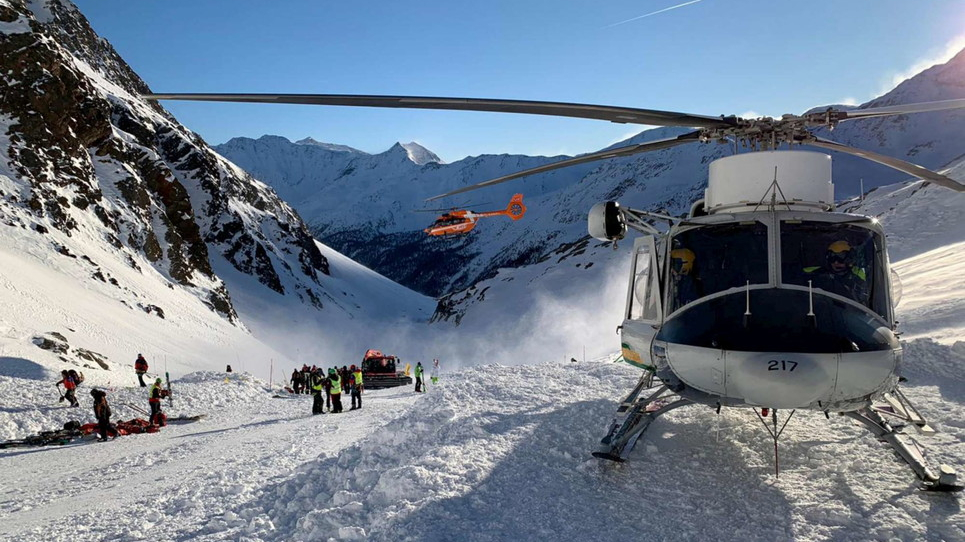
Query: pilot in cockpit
(840,274)
(686,287)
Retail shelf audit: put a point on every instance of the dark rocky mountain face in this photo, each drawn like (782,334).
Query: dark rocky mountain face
(82,154)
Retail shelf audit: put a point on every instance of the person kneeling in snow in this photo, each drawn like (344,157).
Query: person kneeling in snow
(154,399)
(102,411)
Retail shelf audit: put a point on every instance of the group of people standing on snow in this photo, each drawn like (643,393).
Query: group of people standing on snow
(327,388)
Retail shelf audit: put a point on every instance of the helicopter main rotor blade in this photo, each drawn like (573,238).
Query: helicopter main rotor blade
(922,107)
(906,167)
(622,115)
(602,155)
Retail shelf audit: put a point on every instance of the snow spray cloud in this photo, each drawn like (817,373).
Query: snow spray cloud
(519,324)
(526,315)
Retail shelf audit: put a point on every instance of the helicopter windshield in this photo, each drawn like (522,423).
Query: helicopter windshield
(843,259)
(712,259)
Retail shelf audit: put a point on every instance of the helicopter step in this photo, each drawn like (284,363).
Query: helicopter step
(634,415)
(905,446)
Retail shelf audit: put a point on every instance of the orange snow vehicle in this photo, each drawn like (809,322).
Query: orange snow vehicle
(381,371)
(463,221)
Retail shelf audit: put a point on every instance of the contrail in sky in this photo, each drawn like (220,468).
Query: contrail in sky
(653,13)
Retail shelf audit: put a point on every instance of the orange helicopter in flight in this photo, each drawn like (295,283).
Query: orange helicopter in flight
(463,221)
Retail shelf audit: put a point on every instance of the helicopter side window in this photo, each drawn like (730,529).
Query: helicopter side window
(711,259)
(645,302)
(843,259)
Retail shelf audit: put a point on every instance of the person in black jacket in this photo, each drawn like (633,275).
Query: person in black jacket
(102,411)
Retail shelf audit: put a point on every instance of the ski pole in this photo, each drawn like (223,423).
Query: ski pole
(137,409)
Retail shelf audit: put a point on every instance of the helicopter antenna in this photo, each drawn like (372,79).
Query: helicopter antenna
(774,188)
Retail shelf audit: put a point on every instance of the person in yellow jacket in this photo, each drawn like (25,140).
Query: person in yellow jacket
(336,390)
(155,395)
(356,384)
(316,384)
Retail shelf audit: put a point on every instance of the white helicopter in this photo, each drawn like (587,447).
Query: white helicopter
(763,296)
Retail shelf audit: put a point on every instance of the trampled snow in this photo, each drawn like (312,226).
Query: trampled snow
(493,453)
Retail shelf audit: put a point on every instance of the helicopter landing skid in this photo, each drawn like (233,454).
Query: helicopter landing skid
(907,449)
(634,417)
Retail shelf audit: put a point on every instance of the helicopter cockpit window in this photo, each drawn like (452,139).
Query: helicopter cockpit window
(843,259)
(712,259)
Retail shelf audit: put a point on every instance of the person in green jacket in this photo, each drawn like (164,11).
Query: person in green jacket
(419,386)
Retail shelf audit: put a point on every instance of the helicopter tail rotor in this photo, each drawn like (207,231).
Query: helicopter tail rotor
(516,209)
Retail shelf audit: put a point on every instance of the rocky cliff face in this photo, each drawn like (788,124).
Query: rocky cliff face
(82,156)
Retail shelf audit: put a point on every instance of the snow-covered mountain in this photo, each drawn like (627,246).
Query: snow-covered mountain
(117,220)
(385,235)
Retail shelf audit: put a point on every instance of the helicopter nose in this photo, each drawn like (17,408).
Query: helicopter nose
(781,380)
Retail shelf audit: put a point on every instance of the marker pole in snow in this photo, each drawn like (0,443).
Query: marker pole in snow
(167,376)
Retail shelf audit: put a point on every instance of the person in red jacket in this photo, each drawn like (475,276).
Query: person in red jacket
(140,367)
(70,384)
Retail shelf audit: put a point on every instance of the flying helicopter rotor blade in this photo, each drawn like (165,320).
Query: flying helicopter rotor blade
(602,155)
(921,107)
(906,167)
(622,115)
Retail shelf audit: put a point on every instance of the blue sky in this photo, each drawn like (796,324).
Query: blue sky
(707,57)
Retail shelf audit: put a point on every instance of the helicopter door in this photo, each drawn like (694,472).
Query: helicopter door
(644,308)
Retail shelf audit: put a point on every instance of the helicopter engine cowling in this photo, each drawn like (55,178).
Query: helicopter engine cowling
(798,180)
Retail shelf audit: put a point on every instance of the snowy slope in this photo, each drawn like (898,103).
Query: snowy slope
(493,453)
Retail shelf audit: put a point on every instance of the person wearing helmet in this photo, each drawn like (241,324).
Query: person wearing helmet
(154,399)
(685,286)
(840,274)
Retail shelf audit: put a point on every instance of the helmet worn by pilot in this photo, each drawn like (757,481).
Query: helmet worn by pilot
(682,261)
